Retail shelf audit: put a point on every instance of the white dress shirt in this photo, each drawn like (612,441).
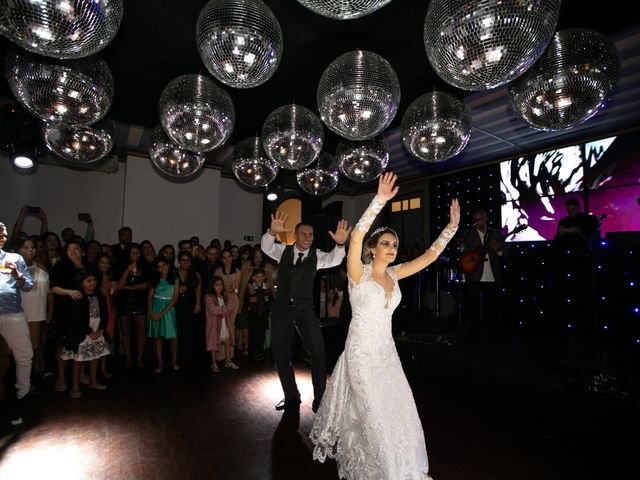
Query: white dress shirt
(325,259)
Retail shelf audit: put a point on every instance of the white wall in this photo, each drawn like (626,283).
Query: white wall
(166,212)
(156,209)
(240,214)
(63,193)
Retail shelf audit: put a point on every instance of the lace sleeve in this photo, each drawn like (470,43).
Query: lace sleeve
(370,214)
(441,242)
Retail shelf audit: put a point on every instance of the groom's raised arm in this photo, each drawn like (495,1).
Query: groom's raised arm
(330,259)
(270,247)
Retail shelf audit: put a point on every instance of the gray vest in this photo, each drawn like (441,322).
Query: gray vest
(295,284)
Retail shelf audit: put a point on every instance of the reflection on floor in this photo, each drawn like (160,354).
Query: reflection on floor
(197,424)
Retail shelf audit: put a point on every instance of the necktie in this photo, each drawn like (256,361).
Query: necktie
(299,260)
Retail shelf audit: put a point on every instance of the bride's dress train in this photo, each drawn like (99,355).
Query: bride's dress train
(368,419)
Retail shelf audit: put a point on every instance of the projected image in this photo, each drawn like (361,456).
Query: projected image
(534,188)
(620,205)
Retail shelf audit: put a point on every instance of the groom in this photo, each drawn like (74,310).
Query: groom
(293,304)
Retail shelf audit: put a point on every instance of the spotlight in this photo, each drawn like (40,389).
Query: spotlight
(273,192)
(23,155)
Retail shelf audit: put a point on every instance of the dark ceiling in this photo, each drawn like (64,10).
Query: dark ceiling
(156,43)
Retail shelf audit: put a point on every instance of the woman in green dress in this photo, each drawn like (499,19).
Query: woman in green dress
(163,296)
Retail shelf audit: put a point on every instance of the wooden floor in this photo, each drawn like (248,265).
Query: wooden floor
(197,425)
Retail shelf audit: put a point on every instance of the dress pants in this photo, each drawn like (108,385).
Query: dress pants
(15,331)
(305,320)
(483,298)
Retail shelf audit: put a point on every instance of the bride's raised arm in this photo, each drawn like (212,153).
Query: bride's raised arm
(429,256)
(386,191)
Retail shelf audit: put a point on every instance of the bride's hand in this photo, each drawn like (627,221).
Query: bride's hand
(454,213)
(386,186)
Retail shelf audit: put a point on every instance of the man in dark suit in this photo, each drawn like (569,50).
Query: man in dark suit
(293,305)
(482,287)
(124,239)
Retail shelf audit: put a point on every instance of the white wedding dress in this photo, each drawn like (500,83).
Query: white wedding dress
(368,419)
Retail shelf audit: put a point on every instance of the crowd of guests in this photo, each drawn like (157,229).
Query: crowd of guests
(90,300)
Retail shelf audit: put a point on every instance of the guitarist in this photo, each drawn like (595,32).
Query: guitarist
(481,246)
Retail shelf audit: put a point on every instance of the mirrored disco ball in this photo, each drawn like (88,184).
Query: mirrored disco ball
(172,160)
(358,95)
(240,41)
(251,165)
(321,177)
(362,161)
(436,127)
(73,92)
(79,144)
(292,135)
(61,28)
(481,44)
(344,9)
(196,113)
(571,83)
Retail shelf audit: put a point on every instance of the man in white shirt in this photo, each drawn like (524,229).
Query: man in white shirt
(482,285)
(293,305)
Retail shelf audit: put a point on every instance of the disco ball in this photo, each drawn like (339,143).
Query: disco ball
(73,92)
(196,113)
(571,83)
(79,144)
(481,44)
(344,9)
(321,178)
(436,127)
(292,135)
(362,161)
(172,160)
(358,95)
(240,41)
(61,29)
(251,165)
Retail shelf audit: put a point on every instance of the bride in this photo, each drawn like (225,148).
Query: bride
(368,419)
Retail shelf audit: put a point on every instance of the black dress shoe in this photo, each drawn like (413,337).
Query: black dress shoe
(315,405)
(285,404)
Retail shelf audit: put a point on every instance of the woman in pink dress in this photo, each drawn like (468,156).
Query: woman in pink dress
(231,277)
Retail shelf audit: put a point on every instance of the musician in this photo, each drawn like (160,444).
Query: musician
(577,230)
(572,274)
(481,249)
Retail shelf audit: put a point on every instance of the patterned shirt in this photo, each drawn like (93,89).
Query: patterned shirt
(10,301)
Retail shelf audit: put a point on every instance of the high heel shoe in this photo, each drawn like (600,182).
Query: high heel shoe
(214,368)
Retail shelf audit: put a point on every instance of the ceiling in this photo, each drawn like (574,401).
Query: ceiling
(156,43)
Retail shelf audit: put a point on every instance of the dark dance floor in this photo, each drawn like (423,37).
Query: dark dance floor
(197,425)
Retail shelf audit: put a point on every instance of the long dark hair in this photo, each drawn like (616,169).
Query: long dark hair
(108,273)
(192,275)
(372,242)
(234,267)
(212,291)
(127,255)
(171,274)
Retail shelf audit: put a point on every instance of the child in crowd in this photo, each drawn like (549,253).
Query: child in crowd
(258,299)
(163,296)
(218,330)
(108,287)
(84,340)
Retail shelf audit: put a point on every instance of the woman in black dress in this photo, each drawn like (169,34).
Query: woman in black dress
(188,308)
(131,302)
